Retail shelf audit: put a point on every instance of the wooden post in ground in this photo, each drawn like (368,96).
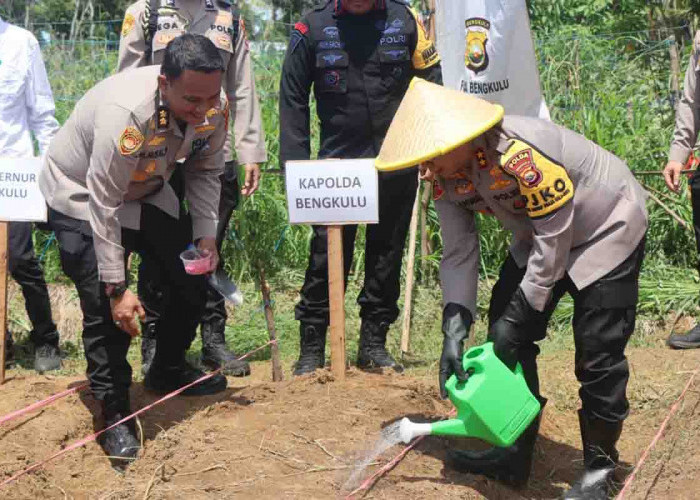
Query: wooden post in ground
(336,296)
(410,272)
(277,375)
(3,296)
(675,69)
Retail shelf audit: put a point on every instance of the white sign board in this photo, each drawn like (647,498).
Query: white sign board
(20,198)
(332,192)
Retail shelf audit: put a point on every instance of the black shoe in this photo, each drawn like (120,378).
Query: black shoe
(119,443)
(164,380)
(372,353)
(599,457)
(511,465)
(312,348)
(47,357)
(148,345)
(689,340)
(215,354)
(9,349)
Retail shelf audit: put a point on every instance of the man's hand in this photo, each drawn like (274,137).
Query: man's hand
(207,246)
(252,179)
(424,173)
(672,175)
(456,322)
(125,308)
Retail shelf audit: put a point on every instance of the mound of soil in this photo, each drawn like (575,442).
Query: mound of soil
(302,438)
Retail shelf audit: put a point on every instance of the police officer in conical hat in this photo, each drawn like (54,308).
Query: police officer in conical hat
(105,180)
(148,27)
(578,220)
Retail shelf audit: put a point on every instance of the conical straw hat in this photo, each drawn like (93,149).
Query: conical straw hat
(433,120)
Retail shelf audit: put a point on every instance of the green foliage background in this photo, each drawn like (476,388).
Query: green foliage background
(606,73)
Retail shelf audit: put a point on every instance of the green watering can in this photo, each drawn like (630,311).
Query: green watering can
(495,404)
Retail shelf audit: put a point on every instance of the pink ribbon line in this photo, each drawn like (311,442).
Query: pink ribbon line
(657,437)
(94,436)
(43,402)
(369,482)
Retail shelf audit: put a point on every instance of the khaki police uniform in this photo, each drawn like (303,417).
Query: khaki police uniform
(578,220)
(213,19)
(105,182)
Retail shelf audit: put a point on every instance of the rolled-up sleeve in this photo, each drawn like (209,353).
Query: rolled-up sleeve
(110,171)
(686,131)
(39,101)
(248,130)
(459,267)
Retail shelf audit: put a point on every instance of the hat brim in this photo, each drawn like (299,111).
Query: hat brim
(410,162)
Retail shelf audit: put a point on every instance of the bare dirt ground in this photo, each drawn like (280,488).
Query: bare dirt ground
(300,438)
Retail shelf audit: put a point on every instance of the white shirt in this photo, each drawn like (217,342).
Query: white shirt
(26,101)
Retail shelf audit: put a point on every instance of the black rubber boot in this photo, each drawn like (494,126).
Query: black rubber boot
(312,348)
(163,380)
(599,457)
(148,345)
(511,465)
(689,340)
(119,443)
(215,353)
(47,357)
(9,349)
(372,353)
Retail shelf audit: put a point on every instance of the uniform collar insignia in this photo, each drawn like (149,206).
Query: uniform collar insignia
(162,115)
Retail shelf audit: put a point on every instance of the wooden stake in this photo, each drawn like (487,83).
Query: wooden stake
(408,296)
(675,69)
(425,249)
(277,375)
(3,296)
(336,296)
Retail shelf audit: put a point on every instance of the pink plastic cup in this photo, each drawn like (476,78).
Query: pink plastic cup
(195,262)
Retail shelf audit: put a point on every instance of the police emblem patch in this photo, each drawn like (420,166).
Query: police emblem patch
(332,78)
(128,24)
(130,141)
(522,166)
(223,41)
(476,57)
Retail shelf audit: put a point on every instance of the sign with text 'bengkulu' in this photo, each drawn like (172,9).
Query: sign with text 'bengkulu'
(20,198)
(332,192)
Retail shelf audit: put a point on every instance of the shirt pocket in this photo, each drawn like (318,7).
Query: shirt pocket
(331,72)
(394,63)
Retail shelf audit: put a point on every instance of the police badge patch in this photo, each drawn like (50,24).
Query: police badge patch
(475,57)
(128,24)
(130,141)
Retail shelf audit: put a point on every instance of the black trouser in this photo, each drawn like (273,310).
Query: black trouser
(161,238)
(604,318)
(695,203)
(151,274)
(26,271)
(383,256)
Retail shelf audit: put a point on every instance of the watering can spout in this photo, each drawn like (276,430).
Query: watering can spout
(409,430)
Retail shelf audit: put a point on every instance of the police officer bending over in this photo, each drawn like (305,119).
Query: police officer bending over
(578,219)
(148,26)
(105,181)
(359,55)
